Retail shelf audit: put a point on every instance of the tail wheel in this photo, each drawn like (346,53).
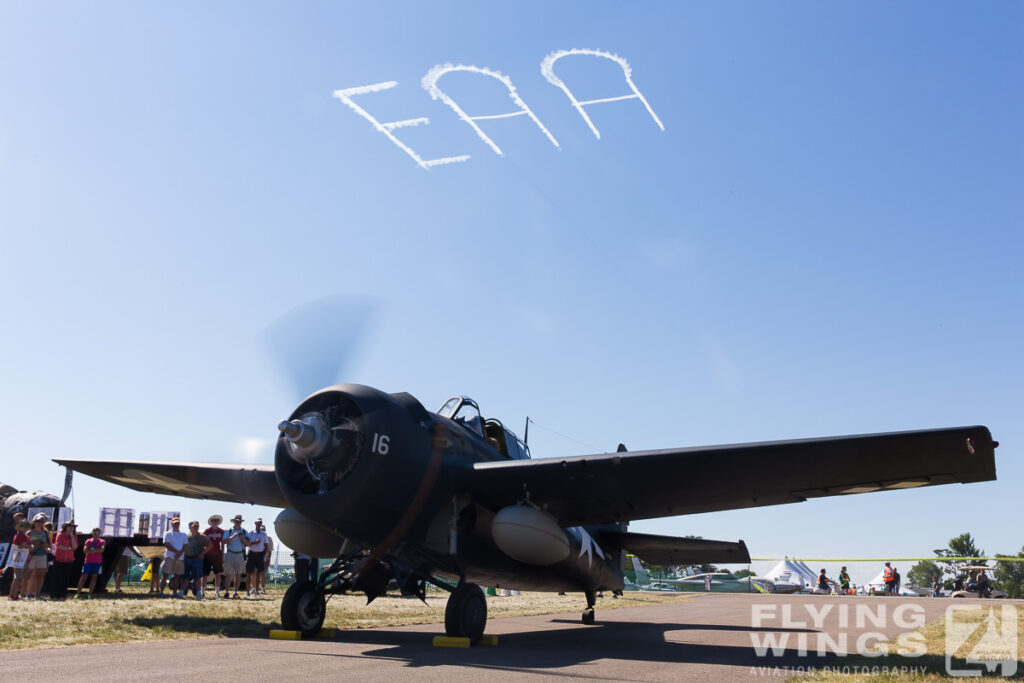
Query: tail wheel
(588,616)
(303,608)
(465,615)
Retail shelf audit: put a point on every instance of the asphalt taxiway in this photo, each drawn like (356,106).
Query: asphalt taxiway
(710,637)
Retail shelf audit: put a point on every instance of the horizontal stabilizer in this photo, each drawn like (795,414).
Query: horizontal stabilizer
(673,550)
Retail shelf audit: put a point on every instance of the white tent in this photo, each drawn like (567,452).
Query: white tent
(877,582)
(808,572)
(791,571)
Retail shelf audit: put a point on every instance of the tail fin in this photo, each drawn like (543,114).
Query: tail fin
(642,577)
(636,571)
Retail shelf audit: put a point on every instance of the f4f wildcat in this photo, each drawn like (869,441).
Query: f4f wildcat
(399,494)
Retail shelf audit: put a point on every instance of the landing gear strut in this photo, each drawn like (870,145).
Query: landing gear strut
(303,608)
(465,615)
(588,613)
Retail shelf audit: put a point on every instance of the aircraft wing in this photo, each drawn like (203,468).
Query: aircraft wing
(674,550)
(255,484)
(618,487)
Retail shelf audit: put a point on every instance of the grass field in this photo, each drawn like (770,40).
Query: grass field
(932,663)
(134,616)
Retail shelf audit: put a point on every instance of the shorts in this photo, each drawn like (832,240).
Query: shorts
(234,563)
(194,568)
(122,565)
(173,566)
(36,562)
(255,562)
(94,568)
(213,563)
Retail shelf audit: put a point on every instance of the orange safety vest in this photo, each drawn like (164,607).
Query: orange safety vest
(887,574)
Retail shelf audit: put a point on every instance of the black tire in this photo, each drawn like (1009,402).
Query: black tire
(303,608)
(465,615)
(588,616)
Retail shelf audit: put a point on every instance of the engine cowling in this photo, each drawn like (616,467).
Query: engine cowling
(350,458)
(529,535)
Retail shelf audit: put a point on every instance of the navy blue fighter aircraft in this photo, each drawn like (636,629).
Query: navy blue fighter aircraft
(397,493)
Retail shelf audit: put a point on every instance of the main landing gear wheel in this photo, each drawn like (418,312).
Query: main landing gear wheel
(303,608)
(465,615)
(588,613)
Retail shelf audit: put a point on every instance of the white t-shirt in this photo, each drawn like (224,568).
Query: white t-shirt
(177,539)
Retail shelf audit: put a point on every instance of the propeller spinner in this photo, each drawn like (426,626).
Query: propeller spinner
(307,437)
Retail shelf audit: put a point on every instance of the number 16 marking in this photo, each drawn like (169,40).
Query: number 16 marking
(381,444)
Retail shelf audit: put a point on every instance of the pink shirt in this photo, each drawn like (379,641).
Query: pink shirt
(64,547)
(93,549)
(21,540)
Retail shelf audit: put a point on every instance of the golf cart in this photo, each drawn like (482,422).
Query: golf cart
(966,585)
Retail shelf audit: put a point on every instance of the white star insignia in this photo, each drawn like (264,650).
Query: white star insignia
(587,545)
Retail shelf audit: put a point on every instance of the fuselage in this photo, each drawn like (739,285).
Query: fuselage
(587,566)
(382,472)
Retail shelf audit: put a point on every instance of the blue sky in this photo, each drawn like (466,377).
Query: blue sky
(825,239)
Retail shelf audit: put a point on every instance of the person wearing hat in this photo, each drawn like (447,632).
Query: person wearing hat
(213,561)
(21,542)
(38,563)
(195,548)
(93,565)
(17,518)
(174,559)
(235,540)
(255,565)
(64,547)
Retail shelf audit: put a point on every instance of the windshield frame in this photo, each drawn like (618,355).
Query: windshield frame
(455,409)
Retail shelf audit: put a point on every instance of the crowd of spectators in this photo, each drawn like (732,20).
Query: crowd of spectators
(39,553)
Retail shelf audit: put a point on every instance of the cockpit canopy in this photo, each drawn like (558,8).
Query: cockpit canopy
(459,408)
(464,411)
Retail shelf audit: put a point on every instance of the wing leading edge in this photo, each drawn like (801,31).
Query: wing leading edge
(255,484)
(627,486)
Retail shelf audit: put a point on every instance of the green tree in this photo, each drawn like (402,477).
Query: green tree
(924,573)
(744,573)
(1010,575)
(959,546)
